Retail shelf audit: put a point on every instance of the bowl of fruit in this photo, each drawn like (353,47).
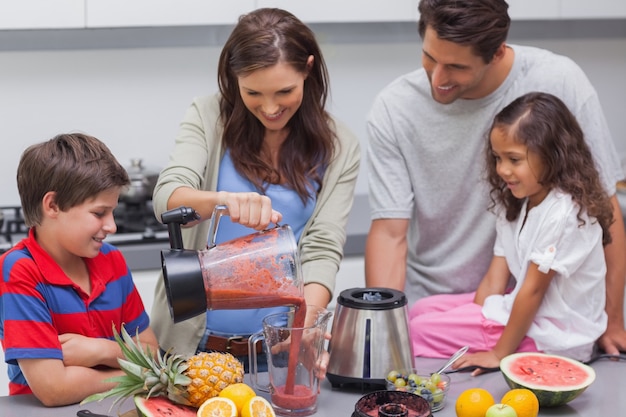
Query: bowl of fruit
(433,388)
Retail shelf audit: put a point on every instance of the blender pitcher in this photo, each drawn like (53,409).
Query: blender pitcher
(261,269)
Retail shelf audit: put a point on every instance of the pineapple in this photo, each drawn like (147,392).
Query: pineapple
(188,382)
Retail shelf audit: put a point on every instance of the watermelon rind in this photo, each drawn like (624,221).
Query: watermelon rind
(161,406)
(548,396)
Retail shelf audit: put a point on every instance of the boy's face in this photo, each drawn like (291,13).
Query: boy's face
(82,229)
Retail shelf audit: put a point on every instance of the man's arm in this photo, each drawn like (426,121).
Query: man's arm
(614,339)
(385,254)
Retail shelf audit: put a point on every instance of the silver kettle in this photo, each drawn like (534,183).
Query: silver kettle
(370,337)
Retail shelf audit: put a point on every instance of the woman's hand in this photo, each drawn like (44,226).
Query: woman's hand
(250,209)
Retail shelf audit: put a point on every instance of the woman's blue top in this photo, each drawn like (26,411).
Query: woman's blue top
(295,214)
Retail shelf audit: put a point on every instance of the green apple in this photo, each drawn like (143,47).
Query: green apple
(501,410)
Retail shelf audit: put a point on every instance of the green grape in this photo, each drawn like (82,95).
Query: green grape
(430,386)
(438,396)
(435,378)
(400,382)
(393,375)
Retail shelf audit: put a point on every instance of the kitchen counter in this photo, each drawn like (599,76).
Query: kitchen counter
(605,397)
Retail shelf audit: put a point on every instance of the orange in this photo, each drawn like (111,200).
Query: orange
(523,401)
(239,392)
(217,407)
(474,402)
(257,407)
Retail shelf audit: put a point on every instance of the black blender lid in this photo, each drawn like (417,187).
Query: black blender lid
(376,298)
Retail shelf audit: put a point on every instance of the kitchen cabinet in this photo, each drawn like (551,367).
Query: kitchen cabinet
(137,13)
(597,9)
(535,9)
(73,14)
(333,11)
(42,14)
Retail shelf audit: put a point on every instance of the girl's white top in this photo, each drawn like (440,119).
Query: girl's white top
(571,316)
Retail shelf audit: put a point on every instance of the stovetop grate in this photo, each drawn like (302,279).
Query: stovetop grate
(136,224)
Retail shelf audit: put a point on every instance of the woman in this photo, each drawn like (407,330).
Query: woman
(265,147)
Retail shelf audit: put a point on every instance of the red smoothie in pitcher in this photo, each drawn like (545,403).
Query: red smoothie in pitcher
(245,273)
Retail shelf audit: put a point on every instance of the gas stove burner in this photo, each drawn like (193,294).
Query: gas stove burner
(12,227)
(135,223)
(137,218)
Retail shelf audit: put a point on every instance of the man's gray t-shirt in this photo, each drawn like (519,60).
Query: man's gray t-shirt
(426,164)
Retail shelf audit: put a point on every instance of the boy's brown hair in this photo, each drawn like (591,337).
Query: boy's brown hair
(75,166)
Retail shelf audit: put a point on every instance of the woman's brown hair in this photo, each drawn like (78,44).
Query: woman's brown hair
(260,40)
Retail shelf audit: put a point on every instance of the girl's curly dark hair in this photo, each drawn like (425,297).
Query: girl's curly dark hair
(544,124)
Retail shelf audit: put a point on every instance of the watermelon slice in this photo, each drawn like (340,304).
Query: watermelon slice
(161,406)
(554,379)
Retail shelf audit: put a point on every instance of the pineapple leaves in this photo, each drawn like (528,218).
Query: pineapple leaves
(145,372)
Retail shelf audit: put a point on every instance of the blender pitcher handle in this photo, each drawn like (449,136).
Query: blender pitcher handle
(218,212)
(252,359)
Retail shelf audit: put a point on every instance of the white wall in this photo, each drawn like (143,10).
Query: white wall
(134,98)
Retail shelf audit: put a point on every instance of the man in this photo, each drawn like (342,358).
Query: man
(431,231)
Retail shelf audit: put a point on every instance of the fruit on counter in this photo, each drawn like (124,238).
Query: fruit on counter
(501,410)
(432,388)
(523,400)
(187,382)
(555,380)
(473,402)
(240,393)
(161,407)
(217,407)
(257,407)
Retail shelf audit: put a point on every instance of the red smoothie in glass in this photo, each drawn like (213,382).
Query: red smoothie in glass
(302,397)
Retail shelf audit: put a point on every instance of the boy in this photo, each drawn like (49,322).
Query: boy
(63,288)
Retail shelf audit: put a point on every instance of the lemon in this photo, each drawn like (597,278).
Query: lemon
(239,393)
(218,406)
(257,407)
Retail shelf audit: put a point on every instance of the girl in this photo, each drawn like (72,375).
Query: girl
(553,218)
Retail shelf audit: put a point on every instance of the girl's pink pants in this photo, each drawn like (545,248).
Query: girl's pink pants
(442,324)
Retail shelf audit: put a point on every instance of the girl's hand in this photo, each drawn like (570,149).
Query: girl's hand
(482,359)
(250,209)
